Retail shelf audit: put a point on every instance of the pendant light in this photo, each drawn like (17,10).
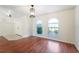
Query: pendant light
(32,11)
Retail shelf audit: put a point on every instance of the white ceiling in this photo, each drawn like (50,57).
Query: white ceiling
(51,8)
(19,11)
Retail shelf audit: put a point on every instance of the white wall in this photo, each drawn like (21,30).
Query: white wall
(66,23)
(6,26)
(27,26)
(9,27)
(77,26)
(23,26)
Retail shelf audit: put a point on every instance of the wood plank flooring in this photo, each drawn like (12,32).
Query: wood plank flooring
(35,44)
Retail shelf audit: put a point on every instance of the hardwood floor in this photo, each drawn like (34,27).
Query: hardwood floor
(35,44)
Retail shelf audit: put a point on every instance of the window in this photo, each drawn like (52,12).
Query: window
(53,27)
(39,27)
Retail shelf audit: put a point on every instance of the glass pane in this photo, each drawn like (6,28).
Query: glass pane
(39,30)
(54,20)
(39,27)
(53,27)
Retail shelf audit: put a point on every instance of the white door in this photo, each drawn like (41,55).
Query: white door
(18,28)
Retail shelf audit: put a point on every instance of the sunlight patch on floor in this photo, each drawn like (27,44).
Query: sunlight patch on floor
(13,37)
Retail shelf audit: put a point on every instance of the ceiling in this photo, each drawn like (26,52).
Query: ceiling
(19,11)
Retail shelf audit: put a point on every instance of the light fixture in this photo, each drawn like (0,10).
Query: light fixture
(9,14)
(32,11)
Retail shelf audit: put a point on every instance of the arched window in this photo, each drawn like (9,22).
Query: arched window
(53,27)
(39,27)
